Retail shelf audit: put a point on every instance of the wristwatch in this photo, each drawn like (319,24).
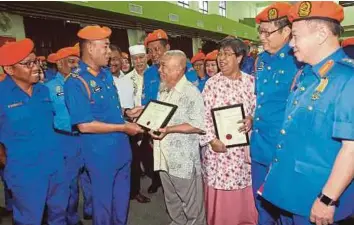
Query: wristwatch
(327,200)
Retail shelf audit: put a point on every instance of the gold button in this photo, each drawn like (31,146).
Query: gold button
(302,88)
(289,117)
(281,71)
(279,146)
(282,131)
(277,82)
(276,160)
(295,102)
(108,87)
(259,106)
(257,118)
(265,81)
(256,130)
(282,55)
(262,93)
(269,68)
(101,96)
(310,108)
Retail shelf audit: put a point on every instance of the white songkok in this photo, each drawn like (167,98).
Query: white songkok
(137,49)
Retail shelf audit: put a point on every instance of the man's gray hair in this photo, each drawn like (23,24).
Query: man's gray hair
(179,54)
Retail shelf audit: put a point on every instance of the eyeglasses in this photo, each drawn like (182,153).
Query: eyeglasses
(226,54)
(269,33)
(30,64)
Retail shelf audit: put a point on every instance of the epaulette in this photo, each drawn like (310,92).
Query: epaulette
(74,73)
(347,62)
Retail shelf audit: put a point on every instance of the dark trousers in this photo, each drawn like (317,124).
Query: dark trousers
(142,154)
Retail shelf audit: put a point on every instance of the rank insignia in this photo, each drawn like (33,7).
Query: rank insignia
(305,9)
(320,88)
(272,14)
(260,66)
(326,67)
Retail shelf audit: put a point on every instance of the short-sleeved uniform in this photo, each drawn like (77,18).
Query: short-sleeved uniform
(34,168)
(91,96)
(318,117)
(70,143)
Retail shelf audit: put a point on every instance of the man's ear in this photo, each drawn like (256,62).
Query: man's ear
(323,33)
(168,47)
(9,70)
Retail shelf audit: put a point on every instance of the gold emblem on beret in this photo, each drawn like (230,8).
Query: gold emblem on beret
(272,14)
(305,9)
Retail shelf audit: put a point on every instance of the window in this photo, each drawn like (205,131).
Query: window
(203,7)
(222,8)
(184,3)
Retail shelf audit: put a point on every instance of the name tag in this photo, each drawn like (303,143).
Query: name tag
(15,105)
(60,93)
(97,89)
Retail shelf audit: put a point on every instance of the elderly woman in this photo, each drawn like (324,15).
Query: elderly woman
(211,66)
(227,171)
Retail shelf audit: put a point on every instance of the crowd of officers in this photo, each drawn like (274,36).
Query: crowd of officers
(78,122)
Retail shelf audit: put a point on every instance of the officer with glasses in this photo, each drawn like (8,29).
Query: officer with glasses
(275,69)
(34,166)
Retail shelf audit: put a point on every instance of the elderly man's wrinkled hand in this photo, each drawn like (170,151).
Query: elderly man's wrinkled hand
(160,134)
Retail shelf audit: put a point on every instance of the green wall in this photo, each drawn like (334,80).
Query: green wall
(187,17)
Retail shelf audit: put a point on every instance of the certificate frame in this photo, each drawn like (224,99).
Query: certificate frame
(148,109)
(240,107)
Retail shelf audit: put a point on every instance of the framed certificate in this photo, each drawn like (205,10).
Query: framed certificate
(156,115)
(226,125)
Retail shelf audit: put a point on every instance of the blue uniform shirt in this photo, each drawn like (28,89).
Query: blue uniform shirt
(152,82)
(27,131)
(201,82)
(103,105)
(310,138)
(56,89)
(248,65)
(274,75)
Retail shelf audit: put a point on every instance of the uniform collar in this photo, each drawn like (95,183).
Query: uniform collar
(60,76)
(323,67)
(9,82)
(283,52)
(84,67)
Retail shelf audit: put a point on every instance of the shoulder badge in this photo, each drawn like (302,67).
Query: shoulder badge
(348,61)
(190,69)
(305,9)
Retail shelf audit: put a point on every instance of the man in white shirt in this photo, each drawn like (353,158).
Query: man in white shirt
(130,87)
(139,61)
(124,86)
(176,149)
